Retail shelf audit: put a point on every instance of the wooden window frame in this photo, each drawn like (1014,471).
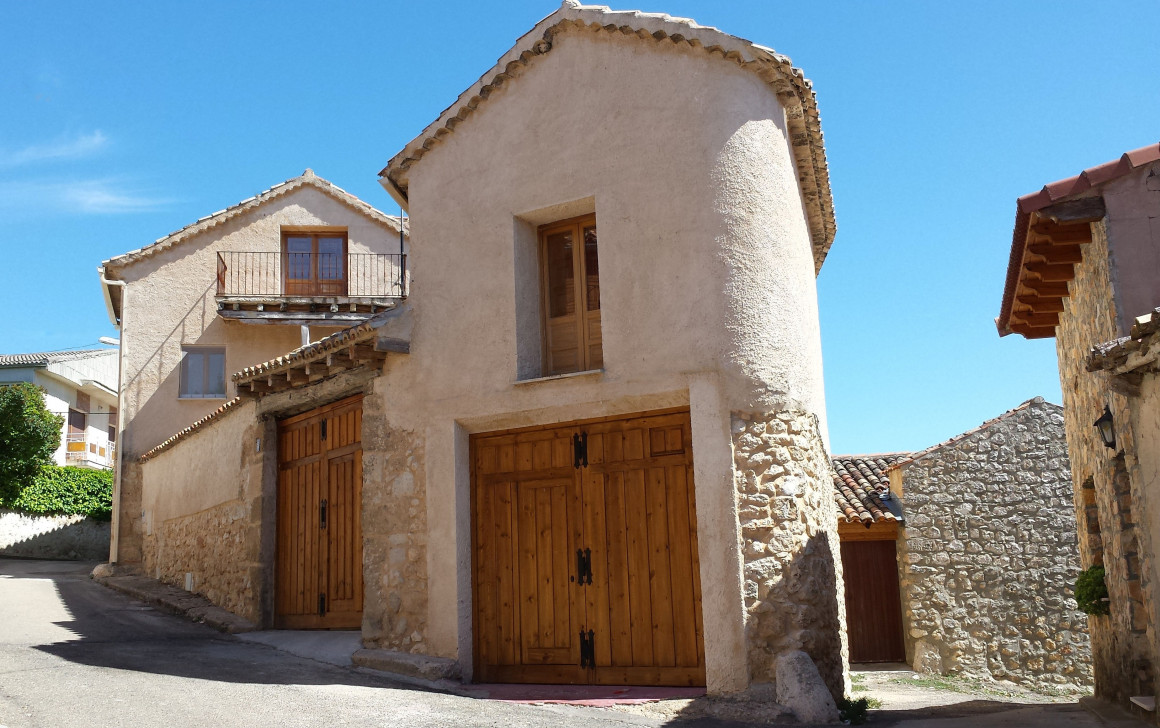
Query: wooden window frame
(315,285)
(204,351)
(580,281)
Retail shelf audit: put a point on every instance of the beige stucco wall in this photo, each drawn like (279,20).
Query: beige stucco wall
(707,292)
(202,503)
(1133,226)
(169,302)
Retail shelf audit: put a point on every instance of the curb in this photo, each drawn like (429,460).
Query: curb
(176,601)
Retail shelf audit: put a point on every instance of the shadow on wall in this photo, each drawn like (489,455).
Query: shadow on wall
(73,538)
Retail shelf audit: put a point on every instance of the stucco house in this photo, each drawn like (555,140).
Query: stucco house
(590,447)
(289,265)
(1082,269)
(81,387)
(960,559)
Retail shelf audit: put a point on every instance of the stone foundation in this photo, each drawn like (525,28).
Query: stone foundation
(219,547)
(789,532)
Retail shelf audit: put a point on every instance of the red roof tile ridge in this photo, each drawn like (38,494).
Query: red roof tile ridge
(1050,194)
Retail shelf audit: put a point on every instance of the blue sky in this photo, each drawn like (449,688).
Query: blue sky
(123,122)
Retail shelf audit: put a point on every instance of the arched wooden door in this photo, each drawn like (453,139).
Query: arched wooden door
(318,570)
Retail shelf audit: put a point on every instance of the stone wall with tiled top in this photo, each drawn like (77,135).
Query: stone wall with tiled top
(789,534)
(988,556)
(1123,643)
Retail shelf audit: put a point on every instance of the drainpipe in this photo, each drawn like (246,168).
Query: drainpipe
(115,525)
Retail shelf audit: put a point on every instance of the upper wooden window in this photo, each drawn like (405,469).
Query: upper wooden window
(571,284)
(314,263)
(203,373)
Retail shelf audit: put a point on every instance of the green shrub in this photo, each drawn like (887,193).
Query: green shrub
(29,434)
(1091,591)
(68,491)
(853,711)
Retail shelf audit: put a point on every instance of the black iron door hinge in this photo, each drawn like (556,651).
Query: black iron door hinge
(587,649)
(321,605)
(583,566)
(322,429)
(580,450)
(322,514)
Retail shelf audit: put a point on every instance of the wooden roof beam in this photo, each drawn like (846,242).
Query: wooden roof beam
(1041,304)
(1033,318)
(1047,289)
(1057,253)
(1085,209)
(1071,233)
(1051,272)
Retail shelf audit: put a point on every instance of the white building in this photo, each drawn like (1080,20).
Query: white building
(80,386)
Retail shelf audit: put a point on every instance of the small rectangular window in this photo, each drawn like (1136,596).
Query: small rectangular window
(571,285)
(203,373)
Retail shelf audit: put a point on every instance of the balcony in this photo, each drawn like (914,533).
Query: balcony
(308,288)
(88,451)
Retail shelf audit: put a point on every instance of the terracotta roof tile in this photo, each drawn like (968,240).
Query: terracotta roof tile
(1050,194)
(793,88)
(1139,348)
(183,434)
(44,358)
(315,351)
(307,178)
(862,487)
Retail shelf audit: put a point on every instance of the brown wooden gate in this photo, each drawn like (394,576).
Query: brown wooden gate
(585,545)
(318,575)
(873,605)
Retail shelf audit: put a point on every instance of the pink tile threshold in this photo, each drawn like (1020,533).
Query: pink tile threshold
(593,696)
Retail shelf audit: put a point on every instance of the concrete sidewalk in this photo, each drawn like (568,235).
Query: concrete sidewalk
(166,598)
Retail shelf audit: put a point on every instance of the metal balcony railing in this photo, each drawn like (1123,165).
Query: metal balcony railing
(280,274)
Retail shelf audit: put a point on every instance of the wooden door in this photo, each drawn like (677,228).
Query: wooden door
(873,605)
(586,535)
(644,604)
(318,574)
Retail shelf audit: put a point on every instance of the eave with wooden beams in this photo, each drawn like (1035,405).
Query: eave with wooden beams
(1047,245)
(1051,228)
(364,345)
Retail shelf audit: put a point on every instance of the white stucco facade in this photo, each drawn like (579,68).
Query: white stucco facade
(63,376)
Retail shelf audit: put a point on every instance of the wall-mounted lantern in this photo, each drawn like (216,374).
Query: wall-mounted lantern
(1106,428)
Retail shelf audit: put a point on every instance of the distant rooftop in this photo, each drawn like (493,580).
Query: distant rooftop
(44,358)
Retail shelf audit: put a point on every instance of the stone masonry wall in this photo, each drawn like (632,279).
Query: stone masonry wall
(220,546)
(1124,652)
(988,556)
(394,533)
(789,532)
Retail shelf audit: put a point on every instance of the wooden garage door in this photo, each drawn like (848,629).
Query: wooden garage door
(586,554)
(318,578)
(873,605)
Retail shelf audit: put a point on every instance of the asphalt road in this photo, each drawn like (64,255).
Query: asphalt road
(73,653)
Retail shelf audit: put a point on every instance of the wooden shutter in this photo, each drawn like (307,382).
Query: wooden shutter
(571,301)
